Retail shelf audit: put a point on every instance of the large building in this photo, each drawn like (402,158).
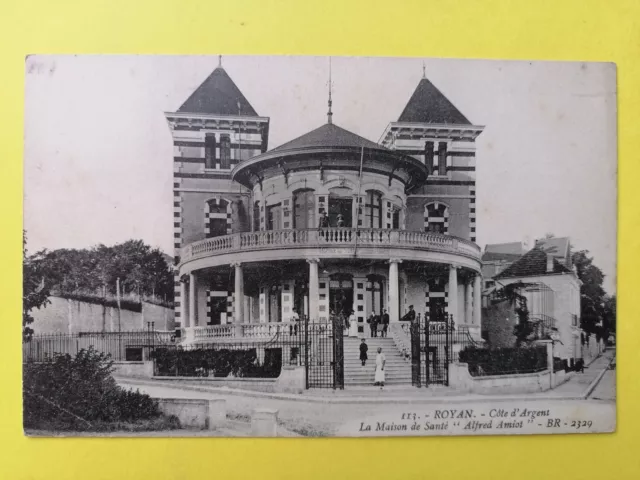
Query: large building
(327,222)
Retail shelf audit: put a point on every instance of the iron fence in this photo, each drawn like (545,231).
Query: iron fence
(434,345)
(324,353)
(121,346)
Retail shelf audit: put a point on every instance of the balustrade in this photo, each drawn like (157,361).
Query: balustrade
(327,236)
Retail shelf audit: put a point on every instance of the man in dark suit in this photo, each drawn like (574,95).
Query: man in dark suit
(373,324)
(385,323)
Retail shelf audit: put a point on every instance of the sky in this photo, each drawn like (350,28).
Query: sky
(99,157)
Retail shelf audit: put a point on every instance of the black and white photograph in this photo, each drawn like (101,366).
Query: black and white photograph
(282,246)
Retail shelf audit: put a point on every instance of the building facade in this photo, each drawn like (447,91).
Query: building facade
(329,222)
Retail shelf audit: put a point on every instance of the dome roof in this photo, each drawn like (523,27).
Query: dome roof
(328,135)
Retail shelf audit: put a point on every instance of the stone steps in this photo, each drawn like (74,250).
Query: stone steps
(397,370)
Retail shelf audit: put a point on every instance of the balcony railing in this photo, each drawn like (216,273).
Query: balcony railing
(328,237)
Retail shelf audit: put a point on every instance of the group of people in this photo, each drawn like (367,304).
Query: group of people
(324,220)
(375,321)
(379,376)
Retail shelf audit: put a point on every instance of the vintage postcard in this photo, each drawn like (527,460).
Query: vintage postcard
(313,246)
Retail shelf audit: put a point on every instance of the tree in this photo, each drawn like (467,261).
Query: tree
(35,291)
(597,308)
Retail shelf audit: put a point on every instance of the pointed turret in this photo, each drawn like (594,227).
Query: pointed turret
(218,95)
(429,105)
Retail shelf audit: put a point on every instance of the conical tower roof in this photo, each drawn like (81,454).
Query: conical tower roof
(218,95)
(429,105)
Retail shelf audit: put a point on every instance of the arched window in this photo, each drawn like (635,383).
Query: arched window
(373,209)
(436,218)
(217,218)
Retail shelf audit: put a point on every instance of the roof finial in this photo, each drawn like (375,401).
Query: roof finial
(219,61)
(329,113)
(424,70)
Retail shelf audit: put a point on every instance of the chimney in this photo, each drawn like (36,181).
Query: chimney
(549,263)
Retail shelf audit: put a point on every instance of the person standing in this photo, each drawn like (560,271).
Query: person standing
(373,325)
(379,375)
(324,220)
(295,319)
(363,352)
(385,323)
(353,324)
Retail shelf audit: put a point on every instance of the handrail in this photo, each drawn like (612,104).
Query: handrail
(401,339)
(330,236)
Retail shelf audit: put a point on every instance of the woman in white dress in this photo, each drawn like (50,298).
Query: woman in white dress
(353,325)
(379,376)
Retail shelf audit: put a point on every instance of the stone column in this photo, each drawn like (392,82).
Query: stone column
(238,299)
(314,294)
(477,301)
(468,303)
(184,312)
(453,293)
(193,314)
(394,294)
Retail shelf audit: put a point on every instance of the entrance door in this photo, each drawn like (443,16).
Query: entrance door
(303,209)
(340,206)
(341,296)
(374,299)
(275,302)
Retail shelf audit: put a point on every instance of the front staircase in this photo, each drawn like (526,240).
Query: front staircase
(398,370)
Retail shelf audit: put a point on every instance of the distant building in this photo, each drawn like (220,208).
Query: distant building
(552,290)
(497,257)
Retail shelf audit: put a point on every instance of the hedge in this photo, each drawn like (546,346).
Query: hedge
(205,362)
(504,361)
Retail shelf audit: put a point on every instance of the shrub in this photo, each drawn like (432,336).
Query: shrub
(205,362)
(504,361)
(78,391)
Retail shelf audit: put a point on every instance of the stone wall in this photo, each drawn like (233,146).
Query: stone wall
(71,316)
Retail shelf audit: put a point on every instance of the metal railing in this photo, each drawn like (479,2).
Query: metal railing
(329,237)
(121,346)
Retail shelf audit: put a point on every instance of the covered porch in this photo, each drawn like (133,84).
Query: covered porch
(260,299)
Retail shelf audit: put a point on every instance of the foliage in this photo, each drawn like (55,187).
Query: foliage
(598,310)
(93,273)
(216,363)
(511,293)
(35,291)
(504,361)
(80,391)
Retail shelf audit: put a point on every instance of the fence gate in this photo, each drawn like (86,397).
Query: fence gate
(324,353)
(431,352)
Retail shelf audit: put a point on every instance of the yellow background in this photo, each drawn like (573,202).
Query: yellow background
(587,30)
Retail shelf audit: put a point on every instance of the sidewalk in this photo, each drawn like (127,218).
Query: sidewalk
(578,387)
